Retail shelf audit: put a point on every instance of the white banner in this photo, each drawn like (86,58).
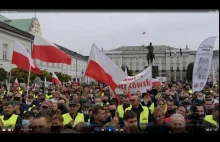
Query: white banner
(202,63)
(139,82)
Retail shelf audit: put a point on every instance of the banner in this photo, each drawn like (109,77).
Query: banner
(202,63)
(139,82)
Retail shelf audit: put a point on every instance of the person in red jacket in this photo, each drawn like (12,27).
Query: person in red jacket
(179,110)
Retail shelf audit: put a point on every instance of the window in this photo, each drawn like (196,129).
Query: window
(177,68)
(184,68)
(171,68)
(5,51)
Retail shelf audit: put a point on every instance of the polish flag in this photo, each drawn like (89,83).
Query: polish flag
(102,69)
(76,83)
(55,79)
(156,82)
(16,83)
(48,52)
(22,59)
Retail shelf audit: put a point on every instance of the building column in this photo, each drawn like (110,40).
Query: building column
(175,75)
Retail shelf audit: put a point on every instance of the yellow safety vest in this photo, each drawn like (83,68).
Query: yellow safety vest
(143,116)
(102,104)
(67,118)
(48,97)
(121,111)
(29,109)
(190,91)
(151,108)
(35,96)
(10,123)
(210,119)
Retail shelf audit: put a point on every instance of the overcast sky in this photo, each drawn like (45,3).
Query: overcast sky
(78,30)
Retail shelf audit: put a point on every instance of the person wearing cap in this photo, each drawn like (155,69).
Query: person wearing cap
(45,107)
(9,119)
(16,107)
(27,118)
(74,116)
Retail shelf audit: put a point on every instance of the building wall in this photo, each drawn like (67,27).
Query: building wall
(8,38)
(173,67)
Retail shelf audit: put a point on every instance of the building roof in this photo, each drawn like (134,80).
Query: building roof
(22,24)
(3,18)
(70,52)
(8,27)
(132,48)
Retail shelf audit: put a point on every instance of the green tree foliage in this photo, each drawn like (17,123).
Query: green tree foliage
(3,74)
(22,76)
(189,73)
(130,72)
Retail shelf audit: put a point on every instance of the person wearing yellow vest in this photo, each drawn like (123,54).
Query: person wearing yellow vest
(121,108)
(74,116)
(143,112)
(148,103)
(214,118)
(9,119)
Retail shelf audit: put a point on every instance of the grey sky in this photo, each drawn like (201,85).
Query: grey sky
(77,31)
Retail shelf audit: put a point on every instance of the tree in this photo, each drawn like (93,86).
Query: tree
(189,73)
(130,72)
(3,74)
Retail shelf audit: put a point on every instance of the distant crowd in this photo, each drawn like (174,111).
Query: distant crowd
(84,108)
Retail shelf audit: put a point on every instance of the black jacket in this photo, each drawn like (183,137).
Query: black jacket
(152,128)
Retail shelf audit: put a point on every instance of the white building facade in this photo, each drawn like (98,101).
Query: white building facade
(173,67)
(8,35)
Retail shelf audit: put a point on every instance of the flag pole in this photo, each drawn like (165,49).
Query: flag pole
(9,82)
(28,81)
(142,39)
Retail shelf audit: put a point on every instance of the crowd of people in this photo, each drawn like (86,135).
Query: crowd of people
(167,109)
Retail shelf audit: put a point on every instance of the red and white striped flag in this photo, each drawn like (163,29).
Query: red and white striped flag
(55,79)
(16,83)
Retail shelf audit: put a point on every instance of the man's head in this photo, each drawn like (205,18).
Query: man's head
(138,93)
(177,123)
(135,101)
(159,115)
(216,112)
(57,123)
(126,101)
(208,104)
(130,120)
(112,108)
(98,113)
(73,107)
(8,108)
(98,101)
(181,110)
(170,105)
(17,97)
(41,123)
(16,105)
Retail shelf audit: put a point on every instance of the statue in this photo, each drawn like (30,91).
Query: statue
(150,54)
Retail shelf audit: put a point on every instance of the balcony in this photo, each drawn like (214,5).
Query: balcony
(163,70)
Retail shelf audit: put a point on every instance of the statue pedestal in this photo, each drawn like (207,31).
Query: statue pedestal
(155,71)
